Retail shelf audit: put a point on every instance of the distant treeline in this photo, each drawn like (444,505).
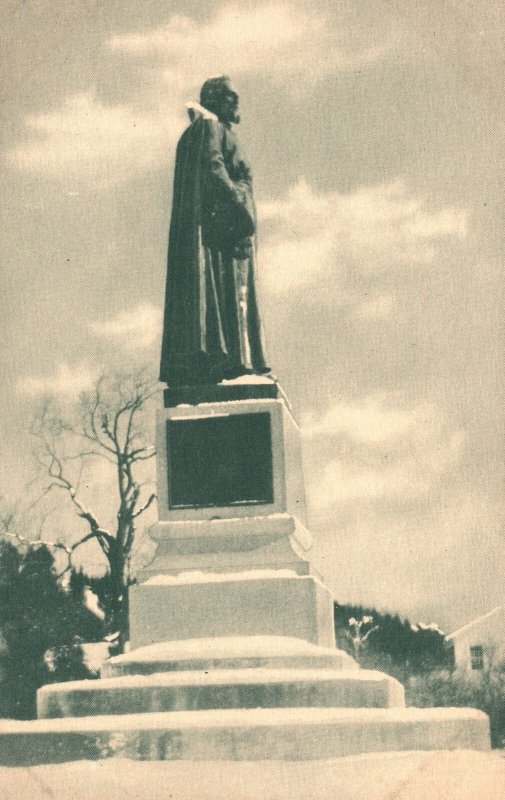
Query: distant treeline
(397,646)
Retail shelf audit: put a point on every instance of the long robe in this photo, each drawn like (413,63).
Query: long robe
(212,328)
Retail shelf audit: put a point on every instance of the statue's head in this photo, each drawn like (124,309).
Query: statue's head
(219,96)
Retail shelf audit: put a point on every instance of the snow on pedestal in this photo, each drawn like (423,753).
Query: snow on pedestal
(232,653)
(268,602)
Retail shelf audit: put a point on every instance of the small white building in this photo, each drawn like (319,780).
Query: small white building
(480,644)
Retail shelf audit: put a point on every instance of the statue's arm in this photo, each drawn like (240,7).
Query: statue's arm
(216,171)
(233,208)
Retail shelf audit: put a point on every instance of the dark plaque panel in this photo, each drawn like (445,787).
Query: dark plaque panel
(220,461)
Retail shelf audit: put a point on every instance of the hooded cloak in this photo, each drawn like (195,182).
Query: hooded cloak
(212,328)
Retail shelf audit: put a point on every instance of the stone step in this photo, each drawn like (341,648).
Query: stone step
(243,734)
(234,652)
(225,689)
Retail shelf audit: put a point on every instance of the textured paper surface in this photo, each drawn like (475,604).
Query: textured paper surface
(375,132)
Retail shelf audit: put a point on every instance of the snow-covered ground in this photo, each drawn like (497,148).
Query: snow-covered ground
(435,775)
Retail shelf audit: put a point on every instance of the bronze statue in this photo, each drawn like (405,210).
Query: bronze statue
(212,328)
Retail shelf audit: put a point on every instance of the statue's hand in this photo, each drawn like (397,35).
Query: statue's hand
(244,222)
(243,249)
(232,218)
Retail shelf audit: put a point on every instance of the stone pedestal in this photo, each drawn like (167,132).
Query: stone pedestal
(233,653)
(230,483)
(231,535)
(263,603)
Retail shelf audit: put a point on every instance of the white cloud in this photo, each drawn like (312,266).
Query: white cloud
(317,237)
(134,329)
(276,40)
(101,145)
(372,421)
(68,382)
(381,448)
(442,560)
(86,141)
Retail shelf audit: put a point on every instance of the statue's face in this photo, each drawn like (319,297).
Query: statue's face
(228,105)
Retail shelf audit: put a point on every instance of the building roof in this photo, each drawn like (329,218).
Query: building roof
(476,622)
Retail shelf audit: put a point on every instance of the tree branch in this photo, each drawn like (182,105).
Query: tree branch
(109,424)
(150,500)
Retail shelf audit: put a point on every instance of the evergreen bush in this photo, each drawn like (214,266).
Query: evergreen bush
(41,626)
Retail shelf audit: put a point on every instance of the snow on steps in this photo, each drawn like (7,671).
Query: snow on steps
(227,652)
(238,671)
(242,734)
(236,688)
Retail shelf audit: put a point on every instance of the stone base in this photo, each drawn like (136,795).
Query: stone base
(225,689)
(225,653)
(238,699)
(200,605)
(289,734)
(277,541)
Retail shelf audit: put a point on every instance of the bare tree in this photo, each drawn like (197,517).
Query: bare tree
(11,524)
(109,426)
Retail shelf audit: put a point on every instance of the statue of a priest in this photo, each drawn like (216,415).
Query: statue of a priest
(212,328)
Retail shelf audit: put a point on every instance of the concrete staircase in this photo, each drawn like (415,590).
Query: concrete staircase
(233,698)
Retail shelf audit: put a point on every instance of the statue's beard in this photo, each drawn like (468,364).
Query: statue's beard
(229,115)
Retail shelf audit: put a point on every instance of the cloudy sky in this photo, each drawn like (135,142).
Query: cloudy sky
(375,131)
